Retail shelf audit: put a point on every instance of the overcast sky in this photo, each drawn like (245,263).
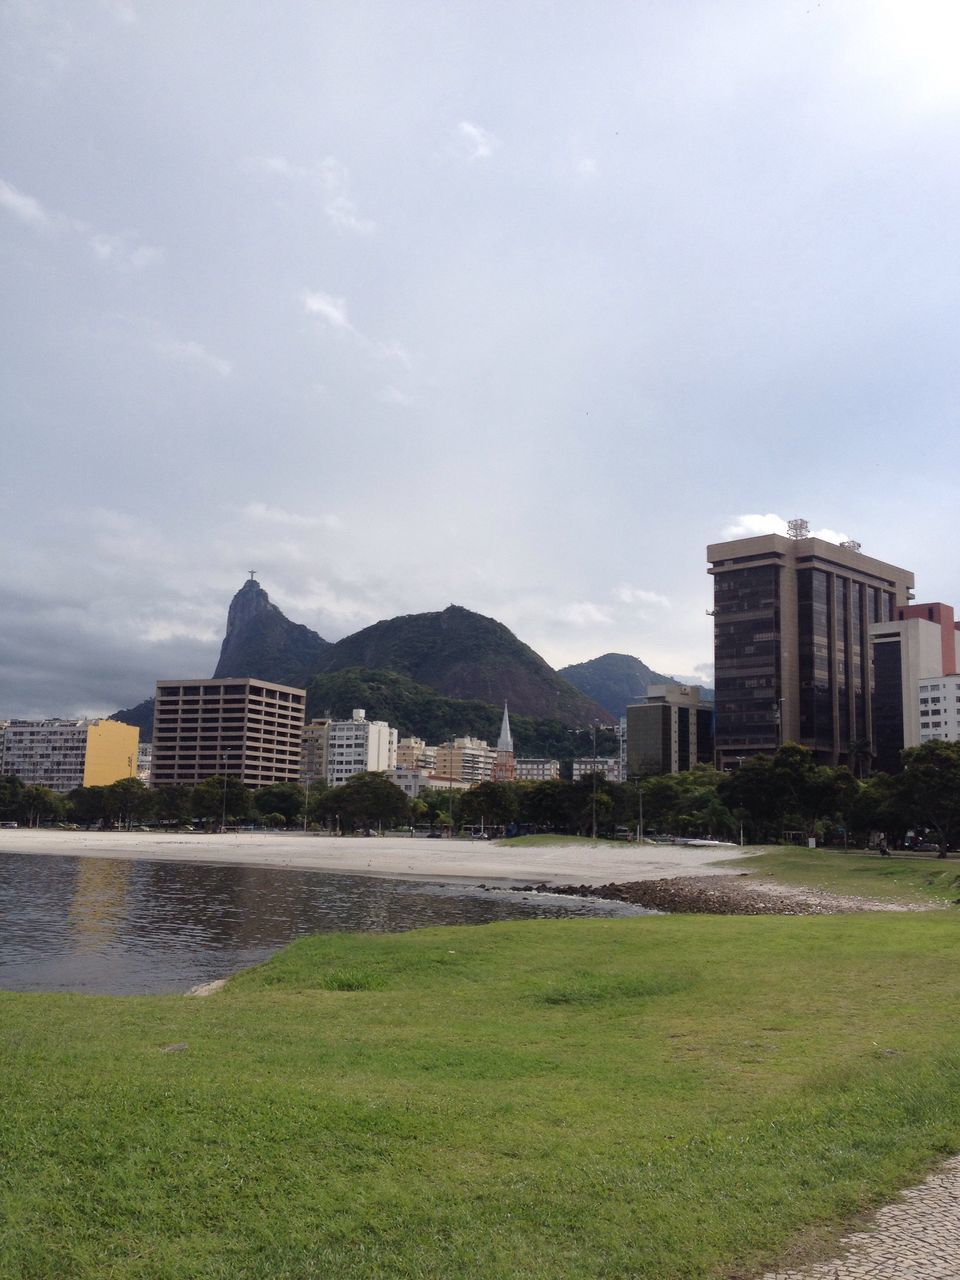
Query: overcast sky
(510,305)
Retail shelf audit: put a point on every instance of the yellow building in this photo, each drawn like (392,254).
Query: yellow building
(64,754)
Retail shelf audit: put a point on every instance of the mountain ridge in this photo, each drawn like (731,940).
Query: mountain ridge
(617,680)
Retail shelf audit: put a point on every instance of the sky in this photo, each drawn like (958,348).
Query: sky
(516,306)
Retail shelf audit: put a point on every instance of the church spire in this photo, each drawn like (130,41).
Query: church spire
(505,741)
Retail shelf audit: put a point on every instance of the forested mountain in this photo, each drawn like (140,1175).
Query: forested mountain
(451,655)
(616,680)
(462,654)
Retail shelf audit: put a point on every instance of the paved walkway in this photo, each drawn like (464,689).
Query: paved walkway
(916,1238)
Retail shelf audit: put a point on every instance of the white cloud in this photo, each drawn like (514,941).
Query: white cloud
(637,595)
(340,207)
(329,308)
(331,177)
(22,206)
(192,353)
(583,613)
(393,395)
(480,143)
(751,526)
(124,251)
(260,512)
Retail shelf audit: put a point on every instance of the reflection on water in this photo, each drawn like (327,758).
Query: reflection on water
(112,926)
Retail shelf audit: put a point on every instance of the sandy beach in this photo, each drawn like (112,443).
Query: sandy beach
(408,857)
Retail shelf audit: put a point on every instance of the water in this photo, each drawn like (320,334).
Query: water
(112,926)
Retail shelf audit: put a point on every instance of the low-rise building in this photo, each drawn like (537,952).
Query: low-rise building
(64,754)
(412,781)
(605,766)
(537,769)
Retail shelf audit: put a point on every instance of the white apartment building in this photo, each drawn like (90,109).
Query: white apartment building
(938,704)
(63,754)
(537,769)
(606,766)
(470,760)
(359,745)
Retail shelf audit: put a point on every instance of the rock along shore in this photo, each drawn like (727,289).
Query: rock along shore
(728,895)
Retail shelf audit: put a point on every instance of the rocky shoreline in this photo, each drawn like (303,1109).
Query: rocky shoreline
(737,894)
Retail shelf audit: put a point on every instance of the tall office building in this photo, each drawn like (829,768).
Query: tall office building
(792,619)
(239,727)
(669,732)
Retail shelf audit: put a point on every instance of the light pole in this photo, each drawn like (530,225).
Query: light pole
(306,801)
(593,806)
(223,816)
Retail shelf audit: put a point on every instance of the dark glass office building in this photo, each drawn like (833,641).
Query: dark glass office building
(791,644)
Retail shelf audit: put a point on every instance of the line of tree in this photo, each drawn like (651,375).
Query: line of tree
(767,798)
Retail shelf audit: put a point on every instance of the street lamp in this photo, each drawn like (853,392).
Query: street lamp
(594,799)
(223,817)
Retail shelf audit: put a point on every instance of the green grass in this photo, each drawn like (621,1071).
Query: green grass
(920,880)
(652,1098)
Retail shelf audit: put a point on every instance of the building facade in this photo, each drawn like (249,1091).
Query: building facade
(359,745)
(915,657)
(237,727)
(414,753)
(313,757)
(64,754)
(537,769)
(607,767)
(669,732)
(468,760)
(792,618)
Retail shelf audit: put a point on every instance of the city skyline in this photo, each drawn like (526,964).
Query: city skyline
(517,309)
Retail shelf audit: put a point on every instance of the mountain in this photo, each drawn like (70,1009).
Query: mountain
(616,679)
(462,654)
(141,715)
(261,641)
(455,653)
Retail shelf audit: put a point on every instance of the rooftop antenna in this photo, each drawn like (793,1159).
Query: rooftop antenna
(798,529)
(850,545)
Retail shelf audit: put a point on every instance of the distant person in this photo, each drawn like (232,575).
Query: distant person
(884,851)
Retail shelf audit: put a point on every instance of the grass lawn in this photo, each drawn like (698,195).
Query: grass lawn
(655,1097)
(866,874)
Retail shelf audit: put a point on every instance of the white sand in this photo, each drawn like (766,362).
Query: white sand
(405,857)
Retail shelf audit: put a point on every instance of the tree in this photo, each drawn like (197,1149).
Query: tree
(284,798)
(11,790)
(493,803)
(208,799)
(930,785)
(40,804)
(366,800)
(174,803)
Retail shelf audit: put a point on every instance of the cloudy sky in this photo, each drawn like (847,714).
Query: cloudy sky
(513,305)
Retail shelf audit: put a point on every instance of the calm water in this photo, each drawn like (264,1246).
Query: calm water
(112,926)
